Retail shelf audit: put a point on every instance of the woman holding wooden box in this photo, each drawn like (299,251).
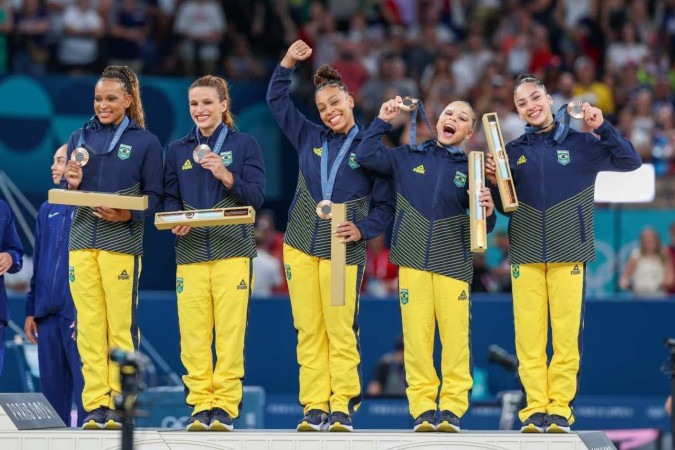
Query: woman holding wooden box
(328,337)
(213,166)
(430,244)
(112,153)
(551,239)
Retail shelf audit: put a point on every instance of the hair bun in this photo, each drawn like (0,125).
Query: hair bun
(326,75)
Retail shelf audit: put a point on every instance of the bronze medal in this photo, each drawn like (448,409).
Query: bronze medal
(408,104)
(200,152)
(324,209)
(80,155)
(575,110)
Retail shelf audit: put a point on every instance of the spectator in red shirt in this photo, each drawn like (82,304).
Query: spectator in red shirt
(381,276)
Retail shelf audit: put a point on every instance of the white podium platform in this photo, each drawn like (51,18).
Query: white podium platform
(149,439)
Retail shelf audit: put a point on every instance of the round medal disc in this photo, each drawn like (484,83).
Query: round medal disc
(575,110)
(200,152)
(408,104)
(324,209)
(80,155)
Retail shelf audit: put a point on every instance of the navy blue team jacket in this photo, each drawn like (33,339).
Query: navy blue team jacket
(555,185)
(189,186)
(49,290)
(369,196)
(10,243)
(431,227)
(133,167)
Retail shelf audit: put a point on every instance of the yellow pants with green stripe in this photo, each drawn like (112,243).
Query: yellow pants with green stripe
(214,295)
(425,299)
(104,286)
(328,336)
(540,291)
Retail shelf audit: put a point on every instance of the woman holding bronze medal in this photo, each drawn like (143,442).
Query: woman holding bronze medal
(551,239)
(328,341)
(430,244)
(112,153)
(213,166)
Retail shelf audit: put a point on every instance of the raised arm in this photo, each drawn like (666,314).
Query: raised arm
(292,122)
(371,153)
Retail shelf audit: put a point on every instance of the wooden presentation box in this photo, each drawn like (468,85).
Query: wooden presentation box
(476,211)
(205,217)
(507,189)
(92,199)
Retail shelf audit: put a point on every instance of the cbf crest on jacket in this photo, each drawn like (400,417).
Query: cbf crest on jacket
(130,164)
(431,227)
(555,183)
(369,196)
(188,186)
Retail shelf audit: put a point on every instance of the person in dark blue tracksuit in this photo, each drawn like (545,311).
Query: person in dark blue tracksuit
(50,311)
(551,239)
(11,260)
(328,342)
(430,244)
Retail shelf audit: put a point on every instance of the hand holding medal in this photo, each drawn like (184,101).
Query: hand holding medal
(390,109)
(200,152)
(408,104)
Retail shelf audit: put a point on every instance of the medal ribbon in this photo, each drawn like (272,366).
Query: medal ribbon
(219,142)
(563,120)
(413,123)
(118,134)
(328,181)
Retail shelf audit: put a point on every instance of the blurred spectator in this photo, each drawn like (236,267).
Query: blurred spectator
(663,138)
(30,52)
(629,49)
(541,54)
(129,30)
(643,125)
(471,64)
(589,89)
(267,270)
(327,41)
(482,280)
(240,63)
(200,25)
(381,276)
(568,13)
(663,93)
(389,377)
(649,271)
(271,241)
(82,26)
(349,64)
(391,76)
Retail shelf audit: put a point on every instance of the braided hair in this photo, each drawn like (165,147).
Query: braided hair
(129,82)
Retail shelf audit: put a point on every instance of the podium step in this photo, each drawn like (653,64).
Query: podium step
(148,439)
